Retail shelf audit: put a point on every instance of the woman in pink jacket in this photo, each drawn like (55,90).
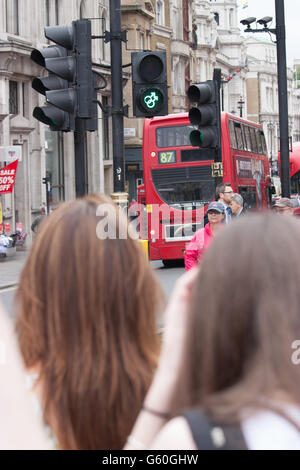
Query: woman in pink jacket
(203,237)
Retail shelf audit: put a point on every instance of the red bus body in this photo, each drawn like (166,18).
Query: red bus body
(295,168)
(177,177)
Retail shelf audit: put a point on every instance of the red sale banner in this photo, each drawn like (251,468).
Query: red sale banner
(7,177)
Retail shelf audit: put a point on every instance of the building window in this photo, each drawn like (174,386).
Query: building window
(56,12)
(23,100)
(82,8)
(231,18)
(12,16)
(103,16)
(13,98)
(142,46)
(160,12)
(47,12)
(217,18)
(176,77)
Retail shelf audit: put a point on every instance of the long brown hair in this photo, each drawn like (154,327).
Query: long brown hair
(244,317)
(87,320)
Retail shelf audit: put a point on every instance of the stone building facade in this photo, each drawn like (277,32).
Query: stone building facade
(45,153)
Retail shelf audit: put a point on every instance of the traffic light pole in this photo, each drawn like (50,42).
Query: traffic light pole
(117,109)
(282,88)
(218,155)
(80,159)
(282,97)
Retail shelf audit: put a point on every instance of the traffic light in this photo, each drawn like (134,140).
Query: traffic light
(149,84)
(70,86)
(205,114)
(57,119)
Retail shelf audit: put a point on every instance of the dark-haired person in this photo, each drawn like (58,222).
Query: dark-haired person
(224,194)
(86,323)
(203,237)
(229,371)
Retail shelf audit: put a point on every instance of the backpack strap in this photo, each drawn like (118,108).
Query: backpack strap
(210,436)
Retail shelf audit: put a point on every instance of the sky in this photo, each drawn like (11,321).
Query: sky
(261,8)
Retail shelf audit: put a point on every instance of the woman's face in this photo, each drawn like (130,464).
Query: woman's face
(215,217)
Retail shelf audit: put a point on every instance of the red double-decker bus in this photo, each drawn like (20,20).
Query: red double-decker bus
(178,180)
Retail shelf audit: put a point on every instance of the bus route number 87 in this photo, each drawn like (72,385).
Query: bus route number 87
(167,157)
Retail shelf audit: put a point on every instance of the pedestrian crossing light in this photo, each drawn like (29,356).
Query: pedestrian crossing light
(149,84)
(204,114)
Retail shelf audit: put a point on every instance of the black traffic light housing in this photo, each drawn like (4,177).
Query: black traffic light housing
(70,85)
(204,114)
(149,84)
(55,117)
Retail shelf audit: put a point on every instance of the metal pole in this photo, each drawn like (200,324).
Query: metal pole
(218,152)
(48,195)
(283,100)
(222,94)
(117,96)
(80,159)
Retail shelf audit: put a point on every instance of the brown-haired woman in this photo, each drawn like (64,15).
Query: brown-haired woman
(87,324)
(239,352)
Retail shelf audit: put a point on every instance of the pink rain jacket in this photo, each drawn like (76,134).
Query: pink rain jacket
(198,244)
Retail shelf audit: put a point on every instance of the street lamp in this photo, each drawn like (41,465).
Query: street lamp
(279,32)
(240,107)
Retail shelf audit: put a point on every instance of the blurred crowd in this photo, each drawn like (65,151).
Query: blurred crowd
(224,375)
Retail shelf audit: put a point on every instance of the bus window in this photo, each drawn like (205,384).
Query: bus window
(239,136)
(247,136)
(263,140)
(173,136)
(232,134)
(259,142)
(253,140)
(295,183)
(248,193)
(181,187)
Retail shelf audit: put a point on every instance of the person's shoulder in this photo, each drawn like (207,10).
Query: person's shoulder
(175,435)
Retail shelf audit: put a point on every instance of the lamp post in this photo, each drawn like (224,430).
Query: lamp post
(279,32)
(241,102)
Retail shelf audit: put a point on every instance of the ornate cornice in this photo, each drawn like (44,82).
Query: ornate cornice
(145,8)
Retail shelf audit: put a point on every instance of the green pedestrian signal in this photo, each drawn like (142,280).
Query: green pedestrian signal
(149,84)
(152,100)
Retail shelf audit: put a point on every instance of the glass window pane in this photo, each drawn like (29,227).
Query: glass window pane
(232,134)
(247,136)
(295,183)
(180,190)
(174,136)
(249,196)
(239,136)
(253,139)
(263,141)
(259,143)
(13,98)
